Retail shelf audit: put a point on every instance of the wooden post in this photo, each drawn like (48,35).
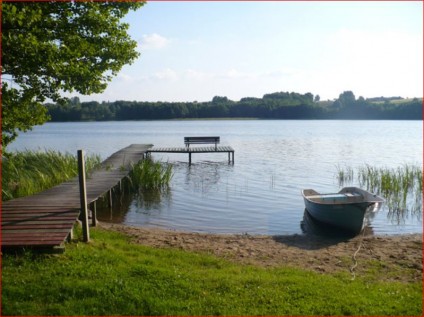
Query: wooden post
(189,158)
(110,199)
(83,196)
(70,235)
(94,214)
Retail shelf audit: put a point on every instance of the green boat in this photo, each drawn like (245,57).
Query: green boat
(345,209)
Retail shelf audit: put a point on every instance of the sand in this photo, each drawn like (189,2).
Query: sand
(398,256)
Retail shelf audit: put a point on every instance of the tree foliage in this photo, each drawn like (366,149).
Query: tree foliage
(281,105)
(52,47)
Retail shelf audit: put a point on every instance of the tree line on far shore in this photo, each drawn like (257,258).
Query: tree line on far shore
(279,105)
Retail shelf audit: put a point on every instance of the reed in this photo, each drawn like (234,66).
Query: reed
(29,172)
(150,175)
(345,174)
(401,187)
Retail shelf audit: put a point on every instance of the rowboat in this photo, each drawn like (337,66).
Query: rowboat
(345,209)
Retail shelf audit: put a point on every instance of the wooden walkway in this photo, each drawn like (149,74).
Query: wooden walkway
(47,218)
(191,150)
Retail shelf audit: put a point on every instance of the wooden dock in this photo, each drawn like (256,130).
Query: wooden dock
(191,150)
(47,218)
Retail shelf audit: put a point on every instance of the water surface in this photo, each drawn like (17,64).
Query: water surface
(260,193)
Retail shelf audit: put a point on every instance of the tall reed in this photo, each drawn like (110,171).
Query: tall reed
(29,172)
(401,187)
(150,175)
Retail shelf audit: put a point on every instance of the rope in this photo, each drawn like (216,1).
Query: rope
(352,268)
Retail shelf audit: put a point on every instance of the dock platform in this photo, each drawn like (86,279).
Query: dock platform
(46,219)
(191,150)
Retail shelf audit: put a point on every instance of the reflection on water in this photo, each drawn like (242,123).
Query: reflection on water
(148,203)
(150,200)
(203,177)
(404,206)
(121,202)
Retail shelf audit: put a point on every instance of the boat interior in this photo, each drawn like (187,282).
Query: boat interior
(348,195)
(334,198)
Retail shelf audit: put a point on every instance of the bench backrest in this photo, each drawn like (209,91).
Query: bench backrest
(201,140)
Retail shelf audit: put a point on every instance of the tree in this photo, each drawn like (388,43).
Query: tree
(219,100)
(53,47)
(347,98)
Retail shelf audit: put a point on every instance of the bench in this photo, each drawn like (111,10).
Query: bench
(201,140)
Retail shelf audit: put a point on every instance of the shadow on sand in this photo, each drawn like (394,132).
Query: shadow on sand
(317,235)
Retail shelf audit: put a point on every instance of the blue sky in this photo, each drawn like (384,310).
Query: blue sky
(197,50)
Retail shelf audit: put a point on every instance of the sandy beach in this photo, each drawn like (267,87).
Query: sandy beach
(400,256)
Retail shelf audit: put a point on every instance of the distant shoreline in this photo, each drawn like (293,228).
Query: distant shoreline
(279,105)
(233,119)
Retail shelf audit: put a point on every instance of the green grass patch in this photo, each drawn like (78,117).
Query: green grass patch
(111,276)
(29,172)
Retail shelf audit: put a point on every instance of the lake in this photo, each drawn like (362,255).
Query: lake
(261,192)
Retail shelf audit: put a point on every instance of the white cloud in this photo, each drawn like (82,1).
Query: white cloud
(125,77)
(193,74)
(152,41)
(236,74)
(378,52)
(166,74)
(281,73)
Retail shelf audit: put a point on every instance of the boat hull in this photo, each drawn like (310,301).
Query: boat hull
(346,216)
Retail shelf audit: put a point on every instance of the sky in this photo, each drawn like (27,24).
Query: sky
(193,51)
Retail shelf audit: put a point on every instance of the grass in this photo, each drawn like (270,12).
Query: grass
(110,276)
(29,172)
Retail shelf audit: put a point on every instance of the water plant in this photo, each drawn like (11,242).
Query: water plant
(401,187)
(149,182)
(344,175)
(150,175)
(29,172)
